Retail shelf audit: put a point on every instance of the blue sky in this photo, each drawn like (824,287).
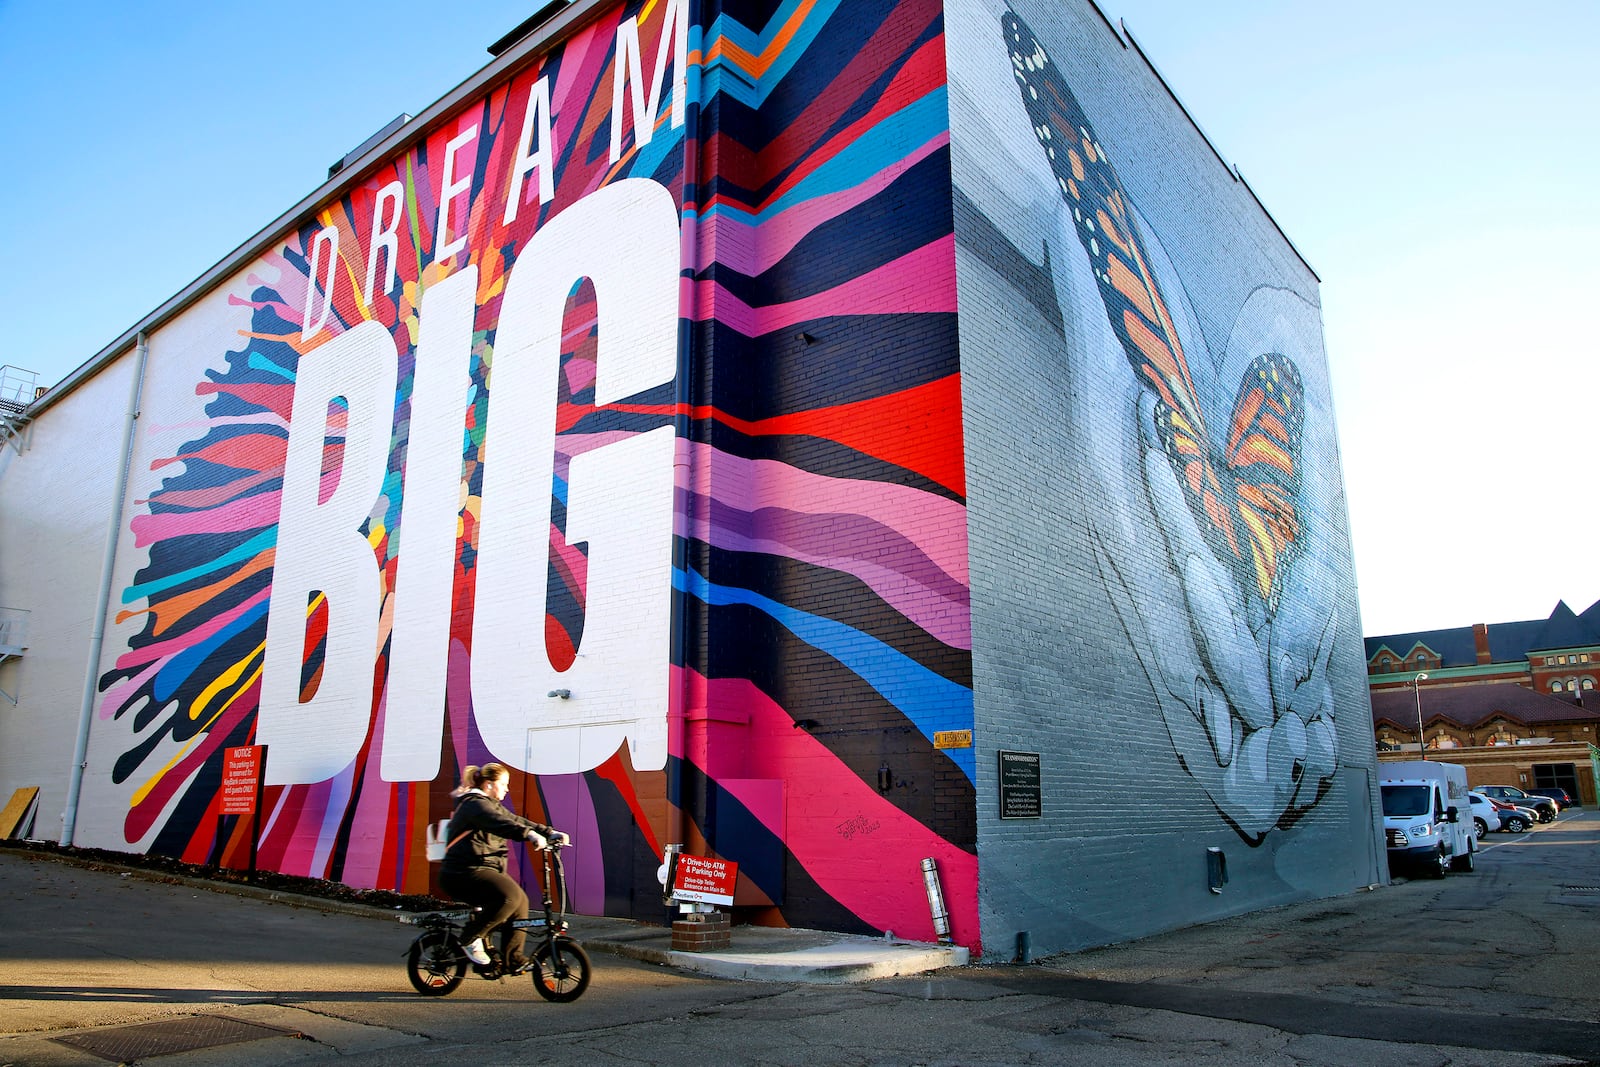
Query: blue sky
(1433,161)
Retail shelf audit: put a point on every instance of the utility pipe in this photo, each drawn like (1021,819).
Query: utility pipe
(941,915)
(683,429)
(91,673)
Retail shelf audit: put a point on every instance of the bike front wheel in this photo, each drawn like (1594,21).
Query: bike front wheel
(436,964)
(561,970)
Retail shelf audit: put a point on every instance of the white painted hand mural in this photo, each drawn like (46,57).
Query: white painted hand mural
(1208,525)
(1248,706)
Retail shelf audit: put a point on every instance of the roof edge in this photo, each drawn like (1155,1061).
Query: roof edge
(541,37)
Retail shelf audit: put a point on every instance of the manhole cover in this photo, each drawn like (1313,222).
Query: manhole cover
(126,1044)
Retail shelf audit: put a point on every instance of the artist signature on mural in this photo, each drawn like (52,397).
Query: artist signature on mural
(859,826)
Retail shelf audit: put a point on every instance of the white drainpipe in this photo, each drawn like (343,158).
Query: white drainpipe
(91,678)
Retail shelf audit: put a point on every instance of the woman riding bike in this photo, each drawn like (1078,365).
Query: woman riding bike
(474,867)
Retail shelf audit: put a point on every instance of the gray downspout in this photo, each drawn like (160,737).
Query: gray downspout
(80,747)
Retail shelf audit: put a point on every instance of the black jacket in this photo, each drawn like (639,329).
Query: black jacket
(482,826)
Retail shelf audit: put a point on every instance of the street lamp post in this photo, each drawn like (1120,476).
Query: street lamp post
(1416,691)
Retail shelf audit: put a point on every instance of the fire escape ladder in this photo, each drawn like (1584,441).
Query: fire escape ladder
(18,389)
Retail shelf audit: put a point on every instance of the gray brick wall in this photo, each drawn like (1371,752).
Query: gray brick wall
(1096,640)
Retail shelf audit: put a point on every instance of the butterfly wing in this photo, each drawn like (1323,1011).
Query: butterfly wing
(1262,457)
(1248,521)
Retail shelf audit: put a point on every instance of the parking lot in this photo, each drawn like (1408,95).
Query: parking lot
(1513,941)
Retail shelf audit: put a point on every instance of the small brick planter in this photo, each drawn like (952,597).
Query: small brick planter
(706,932)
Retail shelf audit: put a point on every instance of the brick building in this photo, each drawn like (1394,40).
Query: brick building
(1559,655)
(1529,685)
(827,436)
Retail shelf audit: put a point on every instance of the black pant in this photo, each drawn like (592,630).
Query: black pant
(501,900)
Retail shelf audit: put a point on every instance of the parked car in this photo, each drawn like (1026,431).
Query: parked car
(1485,818)
(1544,806)
(1514,820)
(1563,799)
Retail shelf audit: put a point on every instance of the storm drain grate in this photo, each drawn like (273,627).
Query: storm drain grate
(126,1044)
(1578,896)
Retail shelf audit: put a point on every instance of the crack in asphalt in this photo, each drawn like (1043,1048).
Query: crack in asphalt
(1299,1014)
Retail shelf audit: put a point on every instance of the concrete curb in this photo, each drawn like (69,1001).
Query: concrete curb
(775,954)
(844,961)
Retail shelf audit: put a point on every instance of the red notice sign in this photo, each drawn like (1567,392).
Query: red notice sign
(706,880)
(241,771)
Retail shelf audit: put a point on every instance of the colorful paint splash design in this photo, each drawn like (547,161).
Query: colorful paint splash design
(821,536)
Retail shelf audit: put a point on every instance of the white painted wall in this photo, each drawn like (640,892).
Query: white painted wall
(55,502)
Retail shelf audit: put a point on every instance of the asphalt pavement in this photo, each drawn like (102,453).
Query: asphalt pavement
(1494,967)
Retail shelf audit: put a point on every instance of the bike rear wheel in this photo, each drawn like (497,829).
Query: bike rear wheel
(560,970)
(436,964)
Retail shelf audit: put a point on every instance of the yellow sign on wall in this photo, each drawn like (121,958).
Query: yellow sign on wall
(952,739)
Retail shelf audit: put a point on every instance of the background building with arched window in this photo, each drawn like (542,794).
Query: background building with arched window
(1515,701)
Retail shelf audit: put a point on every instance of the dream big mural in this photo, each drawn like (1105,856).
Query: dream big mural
(611,431)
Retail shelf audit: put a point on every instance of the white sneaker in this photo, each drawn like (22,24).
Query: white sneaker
(476,952)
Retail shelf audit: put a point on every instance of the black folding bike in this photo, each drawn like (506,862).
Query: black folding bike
(437,960)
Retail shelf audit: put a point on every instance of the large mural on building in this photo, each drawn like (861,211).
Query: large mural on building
(611,431)
(1217,482)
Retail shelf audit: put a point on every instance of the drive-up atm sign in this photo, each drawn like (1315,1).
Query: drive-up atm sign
(708,881)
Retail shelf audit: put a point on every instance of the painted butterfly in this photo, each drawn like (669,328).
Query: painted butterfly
(1242,489)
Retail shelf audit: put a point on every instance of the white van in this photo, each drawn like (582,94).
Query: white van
(1427,818)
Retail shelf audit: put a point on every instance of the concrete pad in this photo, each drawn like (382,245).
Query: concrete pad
(768,955)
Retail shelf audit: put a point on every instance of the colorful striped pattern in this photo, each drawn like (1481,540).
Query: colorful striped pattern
(824,584)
